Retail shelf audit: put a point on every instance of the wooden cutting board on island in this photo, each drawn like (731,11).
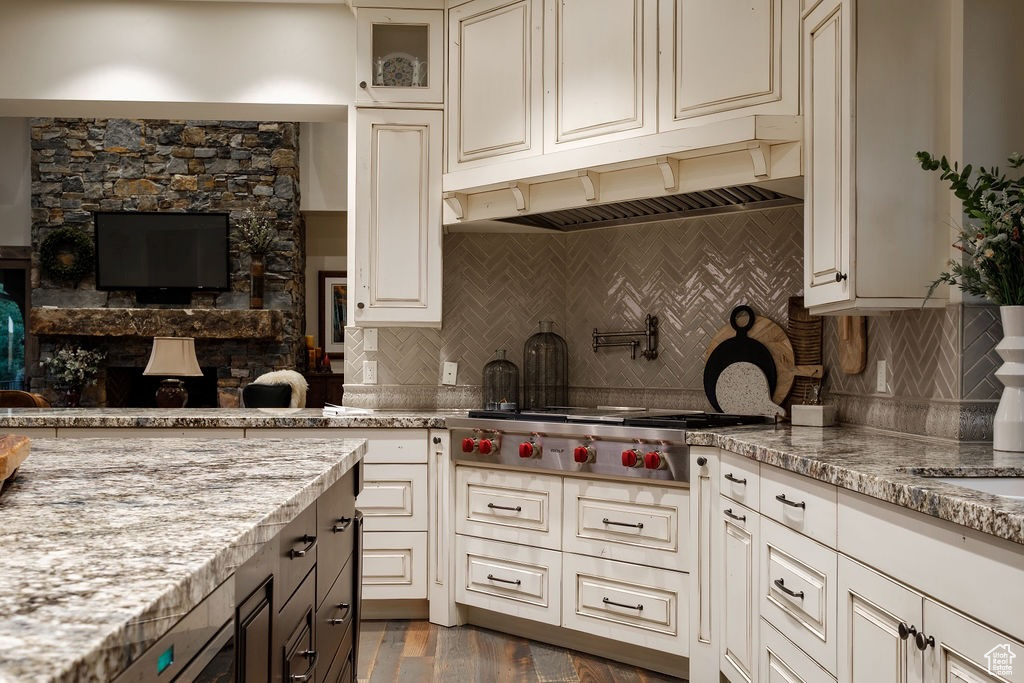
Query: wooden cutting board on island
(13,451)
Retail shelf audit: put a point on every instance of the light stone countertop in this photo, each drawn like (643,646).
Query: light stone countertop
(107,543)
(896,468)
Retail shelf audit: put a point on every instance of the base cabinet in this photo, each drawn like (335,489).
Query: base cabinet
(739,527)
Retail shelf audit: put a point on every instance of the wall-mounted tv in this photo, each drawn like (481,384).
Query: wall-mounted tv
(154,252)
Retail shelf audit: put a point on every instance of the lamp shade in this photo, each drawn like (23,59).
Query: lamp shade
(173,356)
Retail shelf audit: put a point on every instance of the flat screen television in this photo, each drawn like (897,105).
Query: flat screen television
(162,255)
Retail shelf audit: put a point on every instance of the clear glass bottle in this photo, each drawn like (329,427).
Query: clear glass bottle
(501,383)
(545,369)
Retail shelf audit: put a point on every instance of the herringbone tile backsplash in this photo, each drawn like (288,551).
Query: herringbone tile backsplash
(690,273)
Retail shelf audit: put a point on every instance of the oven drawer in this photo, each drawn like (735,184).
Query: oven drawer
(509,506)
(627,522)
(394,498)
(803,504)
(644,606)
(511,579)
(739,479)
(798,590)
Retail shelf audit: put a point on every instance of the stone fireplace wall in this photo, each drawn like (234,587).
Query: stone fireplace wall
(85,165)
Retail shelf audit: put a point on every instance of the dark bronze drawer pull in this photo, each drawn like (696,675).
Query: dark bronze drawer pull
(340,620)
(793,594)
(312,656)
(638,608)
(342,524)
(735,480)
(492,577)
(638,525)
(504,507)
(738,518)
(782,499)
(310,542)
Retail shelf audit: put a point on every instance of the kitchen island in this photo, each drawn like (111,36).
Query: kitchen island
(108,543)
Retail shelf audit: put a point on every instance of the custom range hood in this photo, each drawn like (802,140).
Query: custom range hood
(750,164)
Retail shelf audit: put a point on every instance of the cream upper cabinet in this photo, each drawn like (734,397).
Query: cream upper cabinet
(400,55)
(600,71)
(718,57)
(395,227)
(494,81)
(875,225)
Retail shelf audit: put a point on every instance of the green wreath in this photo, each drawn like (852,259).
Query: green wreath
(67,254)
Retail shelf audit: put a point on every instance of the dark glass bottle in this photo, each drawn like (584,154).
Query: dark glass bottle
(545,369)
(501,382)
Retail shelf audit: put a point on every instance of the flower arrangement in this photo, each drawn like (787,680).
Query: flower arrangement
(992,243)
(255,233)
(73,367)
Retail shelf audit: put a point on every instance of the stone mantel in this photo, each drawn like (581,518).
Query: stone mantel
(201,323)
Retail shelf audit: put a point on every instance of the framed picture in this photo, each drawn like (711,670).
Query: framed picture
(333,295)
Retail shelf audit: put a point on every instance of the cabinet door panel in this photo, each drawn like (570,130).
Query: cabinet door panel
(511,579)
(784,662)
(968,652)
(727,58)
(397,231)
(394,565)
(394,498)
(600,64)
(739,527)
(494,80)
(828,238)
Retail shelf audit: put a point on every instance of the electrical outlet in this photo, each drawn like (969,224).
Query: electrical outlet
(881,378)
(370,339)
(369,372)
(451,371)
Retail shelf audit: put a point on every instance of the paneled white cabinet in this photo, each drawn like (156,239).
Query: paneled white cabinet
(600,67)
(876,230)
(395,227)
(400,55)
(494,81)
(739,570)
(718,57)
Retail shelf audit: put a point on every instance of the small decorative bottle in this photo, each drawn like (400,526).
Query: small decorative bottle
(546,369)
(501,382)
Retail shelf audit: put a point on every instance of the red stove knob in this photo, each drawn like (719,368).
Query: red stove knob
(653,460)
(529,449)
(583,454)
(631,458)
(486,446)
(468,445)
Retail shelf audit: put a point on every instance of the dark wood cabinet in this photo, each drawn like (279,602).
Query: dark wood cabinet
(255,616)
(324,387)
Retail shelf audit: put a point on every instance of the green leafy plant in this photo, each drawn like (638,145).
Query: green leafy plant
(255,233)
(993,263)
(73,367)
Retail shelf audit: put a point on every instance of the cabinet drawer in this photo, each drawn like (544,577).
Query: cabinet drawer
(508,506)
(297,551)
(335,524)
(511,579)
(334,617)
(740,479)
(296,623)
(628,522)
(798,590)
(340,670)
(809,507)
(784,662)
(394,565)
(392,445)
(394,498)
(644,606)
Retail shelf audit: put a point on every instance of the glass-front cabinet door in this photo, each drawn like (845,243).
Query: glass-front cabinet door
(400,55)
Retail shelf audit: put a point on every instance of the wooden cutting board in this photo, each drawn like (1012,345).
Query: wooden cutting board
(13,451)
(777,342)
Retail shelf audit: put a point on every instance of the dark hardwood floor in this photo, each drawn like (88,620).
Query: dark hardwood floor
(418,651)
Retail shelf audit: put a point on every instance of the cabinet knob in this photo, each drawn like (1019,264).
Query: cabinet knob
(906,631)
(360,305)
(437,439)
(702,461)
(840,277)
(923,642)
(362,84)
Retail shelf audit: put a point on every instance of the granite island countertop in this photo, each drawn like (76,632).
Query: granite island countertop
(106,544)
(895,468)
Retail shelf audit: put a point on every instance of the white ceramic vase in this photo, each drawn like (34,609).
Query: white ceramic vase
(1008,428)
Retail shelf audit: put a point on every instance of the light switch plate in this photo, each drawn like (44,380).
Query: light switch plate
(451,371)
(370,339)
(369,372)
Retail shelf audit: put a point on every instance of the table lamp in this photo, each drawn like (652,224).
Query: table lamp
(175,356)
